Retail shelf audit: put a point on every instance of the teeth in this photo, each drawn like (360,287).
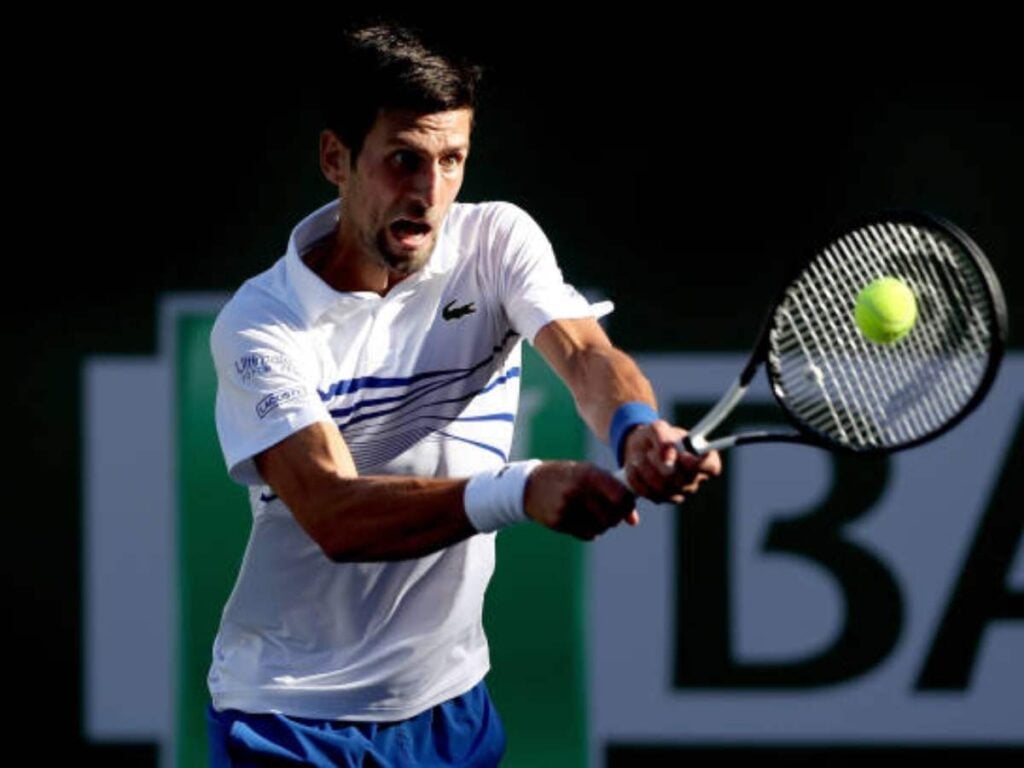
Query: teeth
(409,232)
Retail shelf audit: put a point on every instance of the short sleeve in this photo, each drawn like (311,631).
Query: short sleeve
(266,391)
(531,286)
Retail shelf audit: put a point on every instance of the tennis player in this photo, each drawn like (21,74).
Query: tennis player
(367,385)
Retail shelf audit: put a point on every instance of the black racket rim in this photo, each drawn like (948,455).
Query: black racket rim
(999,330)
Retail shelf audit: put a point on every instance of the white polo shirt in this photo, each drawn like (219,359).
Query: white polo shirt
(423,381)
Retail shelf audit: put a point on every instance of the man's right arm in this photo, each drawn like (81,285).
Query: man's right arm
(384,517)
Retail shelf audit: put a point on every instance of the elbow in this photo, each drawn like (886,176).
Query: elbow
(354,549)
(333,528)
(335,546)
(340,543)
(345,546)
(339,546)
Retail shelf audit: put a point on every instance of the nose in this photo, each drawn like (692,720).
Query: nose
(426,184)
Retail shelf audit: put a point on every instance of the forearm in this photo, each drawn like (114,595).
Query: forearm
(372,518)
(377,518)
(607,378)
(600,377)
(361,518)
(603,380)
(396,518)
(656,467)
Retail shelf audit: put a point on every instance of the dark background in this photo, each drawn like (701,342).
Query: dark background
(677,163)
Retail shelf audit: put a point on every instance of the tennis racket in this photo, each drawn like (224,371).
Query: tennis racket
(841,391)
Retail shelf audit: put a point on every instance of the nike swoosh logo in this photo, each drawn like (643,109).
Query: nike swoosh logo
(454,313)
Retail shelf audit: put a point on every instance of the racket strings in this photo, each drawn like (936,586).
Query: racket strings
(921,413)
(966,325)
(842,385)
(871,389)
(811,397)
(866,395)
(939,337)
(842,343)
(951,326)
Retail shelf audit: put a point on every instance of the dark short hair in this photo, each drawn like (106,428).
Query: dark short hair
(384,65)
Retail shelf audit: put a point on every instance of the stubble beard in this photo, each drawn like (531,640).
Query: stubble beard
(403,264)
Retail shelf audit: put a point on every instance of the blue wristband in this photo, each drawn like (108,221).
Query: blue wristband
(627,416)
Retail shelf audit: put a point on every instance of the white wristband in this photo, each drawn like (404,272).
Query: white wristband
(494,499)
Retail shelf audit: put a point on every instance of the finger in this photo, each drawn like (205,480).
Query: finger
(711,463)
(658,439)
(581,519)
(650,485)
(608,485)
(613,502)
(694,485)
(690,462)
(621,506)
(658,478)
(584,514)
(668,484)
(670,454)
(597,517)
(638,484)
(658,457)
(661,446)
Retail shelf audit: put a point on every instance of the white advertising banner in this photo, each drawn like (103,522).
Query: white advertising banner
(814,598)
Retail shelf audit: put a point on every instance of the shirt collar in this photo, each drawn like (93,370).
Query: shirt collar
(313,295)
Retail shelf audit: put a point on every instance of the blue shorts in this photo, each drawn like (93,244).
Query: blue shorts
(465,731)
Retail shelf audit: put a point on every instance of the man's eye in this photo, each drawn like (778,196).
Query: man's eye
(406,161)
(450,161)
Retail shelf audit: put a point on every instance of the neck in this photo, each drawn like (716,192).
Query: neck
(344,267)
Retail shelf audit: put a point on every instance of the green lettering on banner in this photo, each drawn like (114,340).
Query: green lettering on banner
(534,608)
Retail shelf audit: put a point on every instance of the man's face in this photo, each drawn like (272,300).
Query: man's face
(405,179)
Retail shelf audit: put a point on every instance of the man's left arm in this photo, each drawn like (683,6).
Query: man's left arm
(603,380)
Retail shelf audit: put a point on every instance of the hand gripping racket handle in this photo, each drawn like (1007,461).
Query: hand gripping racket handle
(695,442)
(697,447)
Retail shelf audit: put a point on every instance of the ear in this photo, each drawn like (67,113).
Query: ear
(334,158)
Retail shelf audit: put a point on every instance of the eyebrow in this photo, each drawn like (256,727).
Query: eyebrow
(398,142)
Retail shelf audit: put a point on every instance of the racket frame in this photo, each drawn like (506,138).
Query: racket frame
(696,440)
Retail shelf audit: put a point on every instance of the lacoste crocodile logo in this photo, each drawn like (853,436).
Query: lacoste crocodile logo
(454,313)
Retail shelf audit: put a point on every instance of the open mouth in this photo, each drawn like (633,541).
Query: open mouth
(408,232)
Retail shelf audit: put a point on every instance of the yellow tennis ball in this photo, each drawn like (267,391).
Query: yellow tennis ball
(886,310)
